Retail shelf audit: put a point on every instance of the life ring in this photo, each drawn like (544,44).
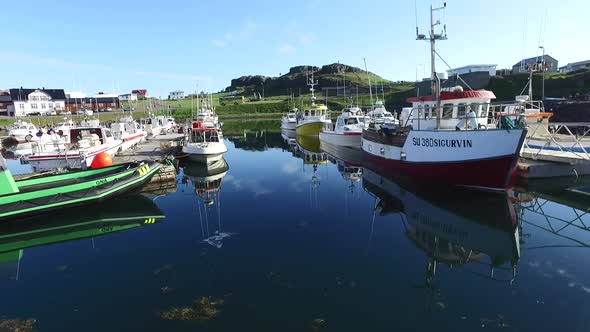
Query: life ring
(29,138)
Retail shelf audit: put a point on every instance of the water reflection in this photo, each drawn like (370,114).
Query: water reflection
(260,140)
(449,226)
(114,215)
(206,181)
(308,149)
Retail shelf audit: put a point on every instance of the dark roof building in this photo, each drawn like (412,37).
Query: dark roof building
(23,94)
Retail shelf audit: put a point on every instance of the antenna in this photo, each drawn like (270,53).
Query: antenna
(312,85)
(369,78)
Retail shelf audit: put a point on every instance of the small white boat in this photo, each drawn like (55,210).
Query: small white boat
(23,131)
(166,123)
(129,132)
(380,115)
(76,148)
(347,131)
(204,142)
(152,126)
(289,120)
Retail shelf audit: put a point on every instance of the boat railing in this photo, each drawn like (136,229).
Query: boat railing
(419,117)
(570,140)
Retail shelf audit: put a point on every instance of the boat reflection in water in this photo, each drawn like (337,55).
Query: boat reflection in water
(308,149)
(207,180)
(455,227)
(114,215)
(348,161)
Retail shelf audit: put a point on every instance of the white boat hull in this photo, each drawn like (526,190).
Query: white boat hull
(69,159)
(205,152)
(352,140)
(475,158)
(132,140)
(288,125)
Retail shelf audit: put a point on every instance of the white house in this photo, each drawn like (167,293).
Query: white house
(128,97)
(176,94)
(575,66)
(43,101)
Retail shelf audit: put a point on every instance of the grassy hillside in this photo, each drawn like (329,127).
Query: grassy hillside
(557,85)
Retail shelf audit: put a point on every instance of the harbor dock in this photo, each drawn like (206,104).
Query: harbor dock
(158,148)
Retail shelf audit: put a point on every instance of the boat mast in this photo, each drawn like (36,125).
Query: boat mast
(369,78)
(433,38)
(312,84)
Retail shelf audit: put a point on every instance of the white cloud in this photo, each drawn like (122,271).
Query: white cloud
(287,49)
(306,39)
(219,42)
(290,168)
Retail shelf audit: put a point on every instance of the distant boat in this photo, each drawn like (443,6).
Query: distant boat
(313,118)
(204,139)
(289,120)
(129,132)
(347,131)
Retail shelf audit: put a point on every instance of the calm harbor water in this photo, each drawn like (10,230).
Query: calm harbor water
(279,236)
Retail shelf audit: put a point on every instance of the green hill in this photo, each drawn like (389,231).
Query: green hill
(328,76)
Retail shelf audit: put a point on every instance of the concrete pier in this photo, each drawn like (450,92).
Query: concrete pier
(537,169)
(157,149)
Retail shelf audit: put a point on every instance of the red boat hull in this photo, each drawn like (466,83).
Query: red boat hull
(492,174)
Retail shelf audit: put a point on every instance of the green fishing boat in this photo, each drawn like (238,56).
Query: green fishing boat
(41,193)
(115,215)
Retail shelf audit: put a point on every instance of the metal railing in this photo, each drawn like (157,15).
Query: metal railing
(565,139)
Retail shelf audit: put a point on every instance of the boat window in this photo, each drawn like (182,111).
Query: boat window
(434,112)
(108,133)
(476,108)
(306,113)
(484,110)
(388,115)
(461,110)
(447,111)
(340,123)
(351,121)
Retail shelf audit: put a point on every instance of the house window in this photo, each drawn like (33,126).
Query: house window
(21,106)
(44,98)
(34,98)
(34,106)
(50,105)
(43,105)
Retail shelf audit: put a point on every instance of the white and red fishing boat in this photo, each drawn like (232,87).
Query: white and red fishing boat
(440,139)
(204,142)
(75,148)
(347,131)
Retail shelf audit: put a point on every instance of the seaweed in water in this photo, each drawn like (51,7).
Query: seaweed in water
(17,325)
(203,309)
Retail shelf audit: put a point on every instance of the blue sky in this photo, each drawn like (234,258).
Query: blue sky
(167,45)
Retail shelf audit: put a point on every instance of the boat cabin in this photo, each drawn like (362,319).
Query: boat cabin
(459,109)
(95,136)
(205,135)
(314,113)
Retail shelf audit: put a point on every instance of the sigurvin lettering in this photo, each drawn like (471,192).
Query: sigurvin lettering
(442,143)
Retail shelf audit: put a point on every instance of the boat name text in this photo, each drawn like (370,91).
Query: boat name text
(101,181)
(442,143)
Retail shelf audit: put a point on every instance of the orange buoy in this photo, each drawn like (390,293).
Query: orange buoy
(101,160)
